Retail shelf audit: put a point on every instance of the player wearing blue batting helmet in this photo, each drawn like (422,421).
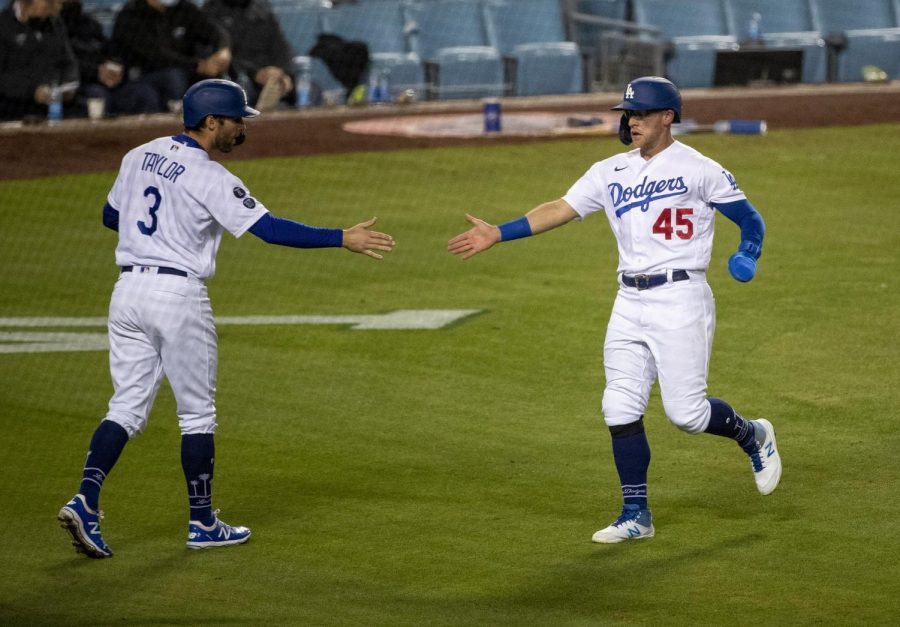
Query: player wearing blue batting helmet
(215,96)
(648,93)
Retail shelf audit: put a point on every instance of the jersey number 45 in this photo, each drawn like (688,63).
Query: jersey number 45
(681,226)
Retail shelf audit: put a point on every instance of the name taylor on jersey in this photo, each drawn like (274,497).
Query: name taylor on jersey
(162,165)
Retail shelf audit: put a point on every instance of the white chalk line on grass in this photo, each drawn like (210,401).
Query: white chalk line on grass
(12,342)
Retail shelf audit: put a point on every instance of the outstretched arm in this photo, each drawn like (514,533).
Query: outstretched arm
(357,239)
(483,235)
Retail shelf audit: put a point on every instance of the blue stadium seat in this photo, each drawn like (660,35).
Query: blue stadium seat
(872,32)
(697,31)
(382,26)
(467,72)
(548,68)
(700,18)
(450,36)
(587,35)
(844,15)
(302,24)
(530,33)
(786,24)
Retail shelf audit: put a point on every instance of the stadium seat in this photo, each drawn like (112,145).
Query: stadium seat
(302,25)
(696,31)
(450,36)
(530,34)
(382,25)
(844,15)
(587,34)
(467,72)
(785,24)
(871,30)
(547,68)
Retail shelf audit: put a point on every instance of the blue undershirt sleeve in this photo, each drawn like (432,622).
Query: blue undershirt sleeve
(753,228)
(110,217)
(283,232)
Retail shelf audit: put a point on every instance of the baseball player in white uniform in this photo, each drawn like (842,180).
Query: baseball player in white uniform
(171,204)
(660,200)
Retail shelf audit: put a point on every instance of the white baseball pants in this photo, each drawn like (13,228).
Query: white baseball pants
(162,325)
(664,332)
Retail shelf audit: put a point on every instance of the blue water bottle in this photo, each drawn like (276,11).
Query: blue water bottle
(492,121)
(754,32)
(55,107)
(303,86)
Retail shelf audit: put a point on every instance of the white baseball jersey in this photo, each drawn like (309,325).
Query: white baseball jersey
(174,203)
(659,210)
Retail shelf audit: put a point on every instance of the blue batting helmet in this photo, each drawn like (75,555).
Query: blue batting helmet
(215,96)
(648,93)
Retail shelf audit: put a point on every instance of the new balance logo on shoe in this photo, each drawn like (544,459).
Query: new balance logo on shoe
(83,524)
(632,524)
(766,471)
(217,534)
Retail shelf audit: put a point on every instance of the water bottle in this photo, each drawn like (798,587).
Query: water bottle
(373,95)
(384,85)
(754,32)
(379,89)
(55,108)
(303,86)
(492,116)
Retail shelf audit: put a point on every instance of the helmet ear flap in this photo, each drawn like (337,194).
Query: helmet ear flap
(624,131)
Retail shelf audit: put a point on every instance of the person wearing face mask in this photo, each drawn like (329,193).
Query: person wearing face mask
(168,45)
(35,56)
(261,54)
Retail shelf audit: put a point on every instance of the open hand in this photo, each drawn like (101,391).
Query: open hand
(361,239)
(477,239)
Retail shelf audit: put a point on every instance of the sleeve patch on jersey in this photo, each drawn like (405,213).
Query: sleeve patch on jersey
(249,203)
(730,179)
(239,193)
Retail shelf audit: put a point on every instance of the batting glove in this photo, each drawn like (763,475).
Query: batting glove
(742,264)
(742,267)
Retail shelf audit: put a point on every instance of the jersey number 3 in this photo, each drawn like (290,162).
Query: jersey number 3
(683,228)
(157,199)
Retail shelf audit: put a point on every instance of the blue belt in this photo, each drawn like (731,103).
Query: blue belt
(159,270)
(646,281)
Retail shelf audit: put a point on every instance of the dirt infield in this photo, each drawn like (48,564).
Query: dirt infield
(77,146)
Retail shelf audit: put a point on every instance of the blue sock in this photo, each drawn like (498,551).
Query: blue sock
(198,453)
(726,422)
(106,445)
(631,452)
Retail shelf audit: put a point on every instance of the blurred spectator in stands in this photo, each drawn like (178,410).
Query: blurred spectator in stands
(260,52)
(101,74)
(167,45)
(35,55)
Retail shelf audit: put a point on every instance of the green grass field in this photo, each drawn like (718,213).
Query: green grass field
(455,476)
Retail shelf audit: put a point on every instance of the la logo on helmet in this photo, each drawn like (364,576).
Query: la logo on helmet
(629,92)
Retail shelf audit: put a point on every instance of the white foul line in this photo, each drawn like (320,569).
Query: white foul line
(52,342)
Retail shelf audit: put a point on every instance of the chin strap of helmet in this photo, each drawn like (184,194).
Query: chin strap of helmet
(624,131)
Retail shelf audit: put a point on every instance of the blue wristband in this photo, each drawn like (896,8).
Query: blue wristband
(515,229)
(751,248)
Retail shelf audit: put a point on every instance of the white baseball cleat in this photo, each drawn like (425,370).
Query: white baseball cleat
(632,524)
(766,461)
